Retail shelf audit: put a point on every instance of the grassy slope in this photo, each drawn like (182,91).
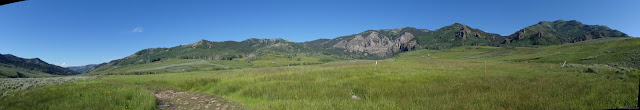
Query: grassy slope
(176,65)
(275,61)
(445,79)
(13,66)
(616,52)
(186,65)
(13,72)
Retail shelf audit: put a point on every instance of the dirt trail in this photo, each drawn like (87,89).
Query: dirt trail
(176,100)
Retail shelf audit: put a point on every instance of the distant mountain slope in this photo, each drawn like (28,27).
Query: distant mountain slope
(370,44)
(373,43)
(175,65)
(247,50)
(12,66)
(82,68)
(559,32)
(458,35)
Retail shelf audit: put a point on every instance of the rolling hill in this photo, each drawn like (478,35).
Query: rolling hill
(559,32)
(16,67)
(458,35)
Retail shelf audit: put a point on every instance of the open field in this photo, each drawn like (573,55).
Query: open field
(81,95)
(175,65)
(9,85)
(469,77)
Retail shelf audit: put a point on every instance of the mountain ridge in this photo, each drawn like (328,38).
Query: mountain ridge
(17,67)
(371,44)
(560,31)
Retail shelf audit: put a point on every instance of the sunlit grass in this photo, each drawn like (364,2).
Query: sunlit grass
(470,77)
(82,95)
(407,84)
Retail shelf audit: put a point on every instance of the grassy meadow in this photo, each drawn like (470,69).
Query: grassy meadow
(469,77)
(81,95)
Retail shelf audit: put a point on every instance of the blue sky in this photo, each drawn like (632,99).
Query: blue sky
(80,32)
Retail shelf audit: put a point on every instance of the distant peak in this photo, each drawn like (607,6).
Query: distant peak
(200,42)
(408,28)
(542,22)
(560,22)
(563,21)
(203,40)
(458,25)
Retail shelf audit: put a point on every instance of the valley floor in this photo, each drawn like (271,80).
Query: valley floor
(461,78)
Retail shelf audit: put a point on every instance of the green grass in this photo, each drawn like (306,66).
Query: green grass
(11,85)
(456,78)
(176,65)
(187,65)
(275,61)
(425,84)
(82,95)
(620,52)
(615,52)
(16,72)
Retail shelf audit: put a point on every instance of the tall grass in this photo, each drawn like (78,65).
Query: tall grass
(423,79)
(407,84)
(82,95)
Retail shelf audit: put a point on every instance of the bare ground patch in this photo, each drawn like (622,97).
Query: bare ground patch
(177,100)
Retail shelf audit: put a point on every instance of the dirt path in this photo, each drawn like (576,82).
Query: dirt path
(176,100)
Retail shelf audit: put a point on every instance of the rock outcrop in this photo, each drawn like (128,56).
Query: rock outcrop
(378,44)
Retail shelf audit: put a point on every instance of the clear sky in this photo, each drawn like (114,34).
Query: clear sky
(80,32)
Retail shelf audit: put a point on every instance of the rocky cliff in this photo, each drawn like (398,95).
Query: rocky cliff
(378,44)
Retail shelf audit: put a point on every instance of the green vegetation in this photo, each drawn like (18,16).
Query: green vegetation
(16,67)
(187,65)
(450,81)
(615,52)
(10,85)
(275,61)
(174,65)
(458,35)
(468,68)
(12,72)
(82,95)
(279,52)
(559,32)
(265,51)
(478,77)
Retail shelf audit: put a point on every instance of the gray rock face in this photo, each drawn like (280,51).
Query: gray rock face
(520,34)
(378,44)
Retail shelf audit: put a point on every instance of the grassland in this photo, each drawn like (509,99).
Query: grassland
(82,95)
(407,84)
(471,77)
(175,65)
(10,85)
(188,65)
(276,61)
